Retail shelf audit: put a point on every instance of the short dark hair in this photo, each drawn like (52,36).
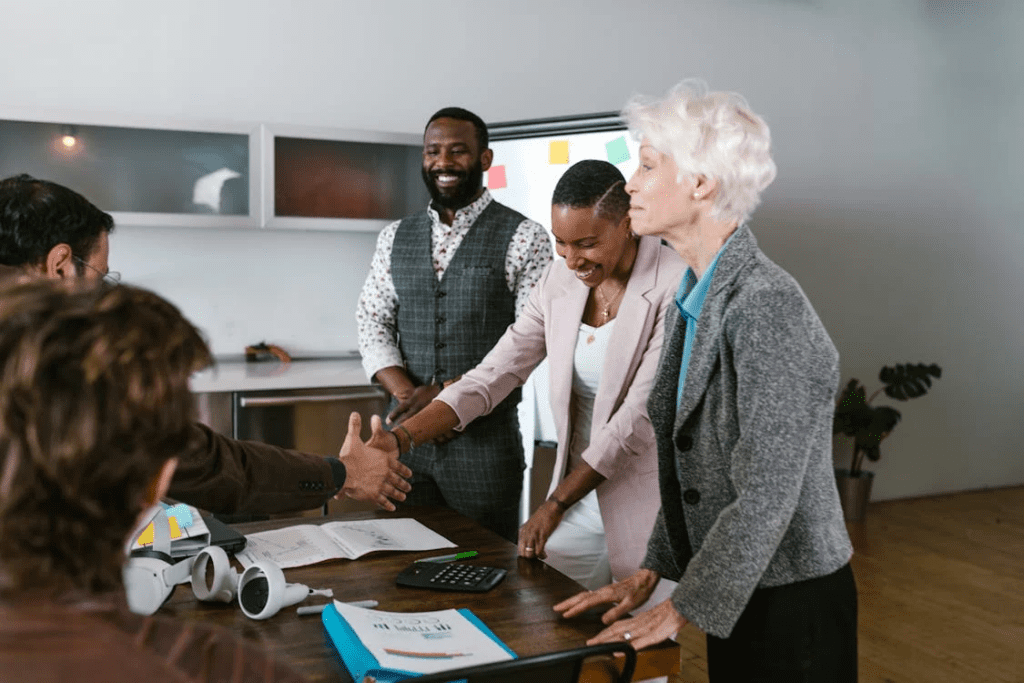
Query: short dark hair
(593,183)
(94,399)
(37,215)
(460,114)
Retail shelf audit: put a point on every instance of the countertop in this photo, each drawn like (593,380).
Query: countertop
(239,375)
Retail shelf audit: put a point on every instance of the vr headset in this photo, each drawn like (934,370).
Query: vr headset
(150,576)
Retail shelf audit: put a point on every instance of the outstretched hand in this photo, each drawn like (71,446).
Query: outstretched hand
(373,472)
(646,629)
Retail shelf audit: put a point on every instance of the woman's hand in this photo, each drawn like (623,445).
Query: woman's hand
(646,629)
(625,595)
(535,533)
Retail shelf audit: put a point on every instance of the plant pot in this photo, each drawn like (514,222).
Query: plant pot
(854,493)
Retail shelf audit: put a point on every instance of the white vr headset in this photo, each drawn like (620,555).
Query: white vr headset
(150,576)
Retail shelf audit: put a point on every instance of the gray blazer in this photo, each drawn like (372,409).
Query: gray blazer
(748,493)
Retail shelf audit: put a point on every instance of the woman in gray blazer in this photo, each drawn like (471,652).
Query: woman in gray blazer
(750,523)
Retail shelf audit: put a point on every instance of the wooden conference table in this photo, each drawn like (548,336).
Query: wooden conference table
(518,610)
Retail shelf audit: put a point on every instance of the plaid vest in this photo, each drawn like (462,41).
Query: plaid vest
(447,326)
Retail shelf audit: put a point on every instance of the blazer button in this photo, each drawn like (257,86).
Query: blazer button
(439,345)
(440,320)
(684,442)
(691,496)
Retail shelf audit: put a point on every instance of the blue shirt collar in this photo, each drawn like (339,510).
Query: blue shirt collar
(692,292)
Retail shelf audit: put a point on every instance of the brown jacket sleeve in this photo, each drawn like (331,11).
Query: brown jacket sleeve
(227,476)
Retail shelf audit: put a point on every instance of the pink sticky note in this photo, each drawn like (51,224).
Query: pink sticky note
(496,178)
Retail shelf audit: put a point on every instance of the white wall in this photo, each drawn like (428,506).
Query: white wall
(895,124)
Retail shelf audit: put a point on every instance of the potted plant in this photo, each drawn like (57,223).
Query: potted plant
(868,425)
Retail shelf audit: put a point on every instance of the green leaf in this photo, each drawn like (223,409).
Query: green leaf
(881,421)
(852,412)
(904,382)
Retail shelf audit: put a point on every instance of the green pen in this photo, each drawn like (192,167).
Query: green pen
(449,558)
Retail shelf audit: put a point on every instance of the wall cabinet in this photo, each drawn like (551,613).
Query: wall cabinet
(221,175)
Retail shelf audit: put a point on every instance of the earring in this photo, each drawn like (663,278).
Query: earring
(696,195)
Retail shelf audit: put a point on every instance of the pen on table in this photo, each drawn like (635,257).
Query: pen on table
(317,609)
(449,558)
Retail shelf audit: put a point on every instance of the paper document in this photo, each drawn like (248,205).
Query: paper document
(298,546)
(422,642)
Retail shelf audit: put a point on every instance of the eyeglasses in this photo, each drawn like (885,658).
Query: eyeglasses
(111,277)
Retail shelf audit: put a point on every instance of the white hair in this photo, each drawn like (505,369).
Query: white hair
(713,134)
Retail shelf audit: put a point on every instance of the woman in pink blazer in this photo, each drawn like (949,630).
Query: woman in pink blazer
(599,316)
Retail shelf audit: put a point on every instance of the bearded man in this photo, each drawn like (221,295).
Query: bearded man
(443,286)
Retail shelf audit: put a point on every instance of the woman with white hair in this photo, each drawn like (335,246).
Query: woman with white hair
(750,523)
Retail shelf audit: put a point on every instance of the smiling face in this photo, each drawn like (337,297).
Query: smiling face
(593,247)
(658,204)
(453,164)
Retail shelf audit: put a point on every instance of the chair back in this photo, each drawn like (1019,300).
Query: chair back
(554,667)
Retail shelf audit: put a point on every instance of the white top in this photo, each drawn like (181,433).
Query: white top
(588,361)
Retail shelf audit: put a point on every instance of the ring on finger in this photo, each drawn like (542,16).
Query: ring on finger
(528,549)
(627,636)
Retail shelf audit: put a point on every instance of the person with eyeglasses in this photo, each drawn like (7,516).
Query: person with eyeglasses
(50,231)
(111,277)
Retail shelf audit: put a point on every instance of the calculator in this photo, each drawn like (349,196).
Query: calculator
(451,576)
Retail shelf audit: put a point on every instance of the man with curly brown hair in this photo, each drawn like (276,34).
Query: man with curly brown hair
(95,407)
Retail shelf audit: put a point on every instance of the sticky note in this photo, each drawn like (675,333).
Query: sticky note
(146,537)
(179,512)
(617,150)
(559,152)
(496,178)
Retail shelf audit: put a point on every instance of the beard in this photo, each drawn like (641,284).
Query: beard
(462,194)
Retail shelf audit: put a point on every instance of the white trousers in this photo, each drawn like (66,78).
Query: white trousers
(578,549)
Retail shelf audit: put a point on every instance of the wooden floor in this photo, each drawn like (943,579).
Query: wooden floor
(941,591)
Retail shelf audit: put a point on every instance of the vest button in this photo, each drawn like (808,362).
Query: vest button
(684,442)
(691,496)
(439,345)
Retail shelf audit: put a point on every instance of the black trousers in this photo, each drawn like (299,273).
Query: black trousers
(802,632)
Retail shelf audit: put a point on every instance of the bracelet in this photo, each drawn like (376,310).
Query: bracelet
(398,441)
(562,505)
(408,435)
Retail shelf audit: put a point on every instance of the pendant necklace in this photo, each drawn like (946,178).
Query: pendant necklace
(606,307)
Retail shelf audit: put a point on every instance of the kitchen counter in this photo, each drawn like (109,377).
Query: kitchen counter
(239,375)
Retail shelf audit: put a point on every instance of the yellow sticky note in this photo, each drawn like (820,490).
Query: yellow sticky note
(146,537)
(559,151)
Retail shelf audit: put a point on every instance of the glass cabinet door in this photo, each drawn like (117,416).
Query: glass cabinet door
(142,175)
(343,184)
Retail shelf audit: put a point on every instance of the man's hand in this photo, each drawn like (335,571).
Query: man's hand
(373,472)
(418,399)
(535,533)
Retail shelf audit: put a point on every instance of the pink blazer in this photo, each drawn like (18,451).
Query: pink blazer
(622,446)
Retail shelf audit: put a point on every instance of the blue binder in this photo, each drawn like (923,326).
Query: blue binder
(360,662)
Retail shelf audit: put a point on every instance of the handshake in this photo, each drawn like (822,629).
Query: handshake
(372,470)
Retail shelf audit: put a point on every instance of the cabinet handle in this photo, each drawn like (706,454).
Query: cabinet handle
(263,401)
